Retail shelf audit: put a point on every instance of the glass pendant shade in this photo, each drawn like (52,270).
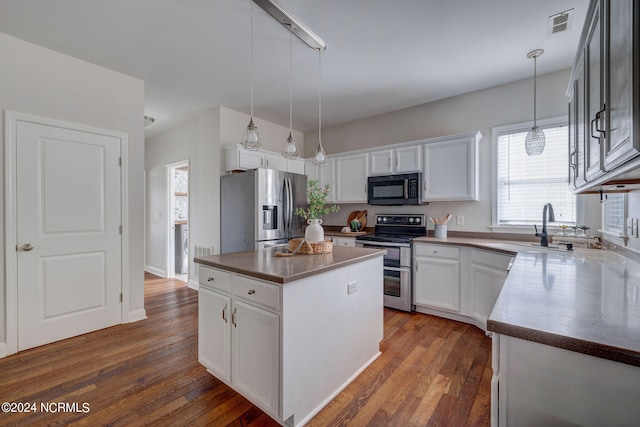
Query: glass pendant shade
(320,158)
(534,142)
(290,149)
(251,137)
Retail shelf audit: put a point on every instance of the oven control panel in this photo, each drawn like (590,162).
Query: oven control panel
(415,220)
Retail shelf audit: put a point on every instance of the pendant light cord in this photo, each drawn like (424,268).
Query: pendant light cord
(251,56)
(320,98)
(535,71)
(290,85)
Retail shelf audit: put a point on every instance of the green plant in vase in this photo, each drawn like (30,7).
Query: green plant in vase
(314,211)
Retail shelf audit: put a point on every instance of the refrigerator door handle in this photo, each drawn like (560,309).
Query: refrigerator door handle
(290,206)
(287,202)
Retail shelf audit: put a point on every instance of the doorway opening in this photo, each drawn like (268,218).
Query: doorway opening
(178,215)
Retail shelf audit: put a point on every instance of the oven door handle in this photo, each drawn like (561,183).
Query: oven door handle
(383,245)
(401,269)
(406,188)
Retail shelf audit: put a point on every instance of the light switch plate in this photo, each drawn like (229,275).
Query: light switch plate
(459,219)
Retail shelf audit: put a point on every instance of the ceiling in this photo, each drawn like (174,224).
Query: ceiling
(381,56)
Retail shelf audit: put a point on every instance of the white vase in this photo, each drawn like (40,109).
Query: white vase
(314,231)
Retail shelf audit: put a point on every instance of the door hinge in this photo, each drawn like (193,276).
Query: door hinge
(120,297)
(120,229)
(119,161)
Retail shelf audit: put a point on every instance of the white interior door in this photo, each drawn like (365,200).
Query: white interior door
(68,217)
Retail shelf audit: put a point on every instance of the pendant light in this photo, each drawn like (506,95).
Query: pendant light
(534,143)
(320,158)
(290,149)
(251,137)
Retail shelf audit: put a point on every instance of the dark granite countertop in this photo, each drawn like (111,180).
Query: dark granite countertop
(263,264)
(586,300)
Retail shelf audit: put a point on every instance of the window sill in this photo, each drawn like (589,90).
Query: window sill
(614,237)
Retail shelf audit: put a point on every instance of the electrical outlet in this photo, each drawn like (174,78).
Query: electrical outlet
(459,219)
(352,287)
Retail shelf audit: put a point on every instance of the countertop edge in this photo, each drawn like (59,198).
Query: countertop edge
(293,277)
(590,348)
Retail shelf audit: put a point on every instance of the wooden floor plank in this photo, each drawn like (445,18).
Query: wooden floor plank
(432,371)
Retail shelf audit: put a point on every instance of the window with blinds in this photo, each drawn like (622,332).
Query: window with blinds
(614,213)
(526,183)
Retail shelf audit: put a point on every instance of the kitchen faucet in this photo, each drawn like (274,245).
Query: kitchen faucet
(544,237)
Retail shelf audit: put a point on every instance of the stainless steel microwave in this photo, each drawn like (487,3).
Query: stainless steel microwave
(390,190)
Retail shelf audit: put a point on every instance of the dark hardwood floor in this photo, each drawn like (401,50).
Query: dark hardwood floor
(432,372)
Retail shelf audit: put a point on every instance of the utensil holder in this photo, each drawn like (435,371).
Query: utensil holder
(440,231)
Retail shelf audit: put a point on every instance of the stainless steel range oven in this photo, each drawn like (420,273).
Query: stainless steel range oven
(394,233)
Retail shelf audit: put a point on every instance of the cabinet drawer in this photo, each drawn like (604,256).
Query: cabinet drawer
(492,259)
(215,279)
(257,292)
(439,251)
(345,241)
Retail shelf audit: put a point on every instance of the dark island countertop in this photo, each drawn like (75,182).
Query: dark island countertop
(263,264)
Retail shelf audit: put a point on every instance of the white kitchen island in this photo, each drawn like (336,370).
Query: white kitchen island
(289,333)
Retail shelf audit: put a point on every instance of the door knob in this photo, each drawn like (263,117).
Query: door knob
(27,247)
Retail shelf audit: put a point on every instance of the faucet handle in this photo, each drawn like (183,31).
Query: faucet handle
(536,227)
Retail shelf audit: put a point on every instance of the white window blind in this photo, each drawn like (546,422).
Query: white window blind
(526,183)
(614,213)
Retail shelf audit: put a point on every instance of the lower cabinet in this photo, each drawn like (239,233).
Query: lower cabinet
(233,331)
(437,277)
(458,282)
(488,273)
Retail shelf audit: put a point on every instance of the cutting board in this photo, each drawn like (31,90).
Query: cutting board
(359,216)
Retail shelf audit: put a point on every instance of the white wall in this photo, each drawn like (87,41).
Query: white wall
(45,83)
(481,110)
(201,141)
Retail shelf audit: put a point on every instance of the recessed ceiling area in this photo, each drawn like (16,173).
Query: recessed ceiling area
(381,56)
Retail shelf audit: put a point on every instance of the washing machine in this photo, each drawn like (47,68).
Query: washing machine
(182,248)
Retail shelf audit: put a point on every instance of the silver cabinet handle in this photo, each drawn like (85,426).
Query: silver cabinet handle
(27,247)
(233,317)
(210,279)
(224,313)
(251,291)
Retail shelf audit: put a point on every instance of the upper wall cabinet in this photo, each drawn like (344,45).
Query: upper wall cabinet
(451,168)
(396,160)
(237,158)
(351,172)
(604,97)
(324,175)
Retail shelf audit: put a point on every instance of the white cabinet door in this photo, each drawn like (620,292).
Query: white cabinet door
(351,178)
(214,332)
(250,159)
(322,174)
(256,355)
(380,162)
(487,275)
(437,277)
(296,166)
(397,160)
(275,161)
(408,159)
(451,169)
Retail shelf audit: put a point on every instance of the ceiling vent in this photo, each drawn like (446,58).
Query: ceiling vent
(560,22)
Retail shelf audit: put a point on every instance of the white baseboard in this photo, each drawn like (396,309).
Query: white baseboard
(193,284)
(156,271)
(3,349)
(137,315)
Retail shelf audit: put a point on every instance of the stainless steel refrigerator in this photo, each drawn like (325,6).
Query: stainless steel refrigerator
(258,209)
